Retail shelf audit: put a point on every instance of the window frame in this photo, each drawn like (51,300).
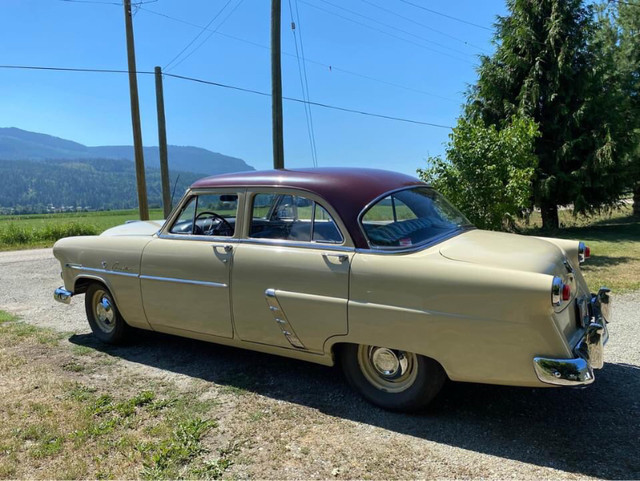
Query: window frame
(345,244)
(165,231)
(414,247)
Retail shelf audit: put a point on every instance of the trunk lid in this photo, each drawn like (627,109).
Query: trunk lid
(511,251)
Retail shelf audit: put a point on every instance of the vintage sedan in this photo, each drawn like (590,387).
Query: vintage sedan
(370,269)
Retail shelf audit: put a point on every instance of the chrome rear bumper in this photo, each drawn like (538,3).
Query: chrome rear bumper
(62,295)
(589,350)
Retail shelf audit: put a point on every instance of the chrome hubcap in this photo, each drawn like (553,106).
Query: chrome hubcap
(385,361)
(387,369)
(104,311)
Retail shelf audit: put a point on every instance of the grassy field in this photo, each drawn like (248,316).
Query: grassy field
(614,238)
(42,230)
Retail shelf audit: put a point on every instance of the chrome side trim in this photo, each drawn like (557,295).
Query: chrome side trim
(416,247)
(281,319)
(62,295)
(150,278)
(201,238)
(100,271)
(183,281)
(307,245)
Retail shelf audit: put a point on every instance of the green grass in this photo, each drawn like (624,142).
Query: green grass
(42,230)
(614,239)
(6,317)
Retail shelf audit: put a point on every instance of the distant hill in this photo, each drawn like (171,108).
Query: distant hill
(42,173)
(18,144)
(29,186)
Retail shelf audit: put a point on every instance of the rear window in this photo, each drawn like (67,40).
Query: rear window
(409,217)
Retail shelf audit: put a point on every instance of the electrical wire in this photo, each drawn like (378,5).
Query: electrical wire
(306,59)
(197,36)
(406,32)
(451,17)
(304,88)
(409,19)
(306,81)
(231,87)
(208,36)
(383,31)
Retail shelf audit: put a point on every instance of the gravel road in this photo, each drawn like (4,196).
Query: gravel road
(470,431)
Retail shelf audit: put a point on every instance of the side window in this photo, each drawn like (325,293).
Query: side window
(390,209)
(325,228)
(292,217)
(208,215)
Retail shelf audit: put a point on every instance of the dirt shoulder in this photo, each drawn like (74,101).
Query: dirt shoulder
(169,407)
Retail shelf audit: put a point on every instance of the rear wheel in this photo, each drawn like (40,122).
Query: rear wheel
(104,318)
(390,378)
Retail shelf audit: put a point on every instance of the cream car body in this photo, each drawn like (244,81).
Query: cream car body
(481,304)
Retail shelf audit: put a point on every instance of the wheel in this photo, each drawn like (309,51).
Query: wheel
(104,318)
(392,379)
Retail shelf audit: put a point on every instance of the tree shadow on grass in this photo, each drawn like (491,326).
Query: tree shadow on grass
(593,431)
(607,261)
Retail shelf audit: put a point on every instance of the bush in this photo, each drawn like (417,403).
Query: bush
(488,172)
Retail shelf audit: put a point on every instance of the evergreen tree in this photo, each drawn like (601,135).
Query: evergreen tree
(627,17)
(548,67)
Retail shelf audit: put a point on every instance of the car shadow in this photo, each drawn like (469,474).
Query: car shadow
(593,431)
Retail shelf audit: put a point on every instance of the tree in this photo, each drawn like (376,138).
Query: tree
(627,20)
(546,67)
(488,172)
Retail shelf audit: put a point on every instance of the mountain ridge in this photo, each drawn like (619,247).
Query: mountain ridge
(19,144)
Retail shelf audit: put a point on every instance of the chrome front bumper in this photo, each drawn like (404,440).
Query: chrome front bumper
(62,295)
(589,350)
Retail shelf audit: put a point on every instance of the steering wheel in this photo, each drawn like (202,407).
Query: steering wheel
(213,230)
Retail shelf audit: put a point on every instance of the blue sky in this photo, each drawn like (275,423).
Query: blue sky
(430,59)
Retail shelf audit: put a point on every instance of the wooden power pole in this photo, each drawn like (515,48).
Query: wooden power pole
(135,115)
(276,86)
(162,145)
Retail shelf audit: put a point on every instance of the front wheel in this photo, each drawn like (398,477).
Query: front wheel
(390,378)
(104,318)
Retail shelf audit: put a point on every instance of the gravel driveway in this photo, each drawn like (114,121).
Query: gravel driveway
(471,430)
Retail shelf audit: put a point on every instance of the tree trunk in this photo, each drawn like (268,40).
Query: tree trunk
(636,200)
(549,212)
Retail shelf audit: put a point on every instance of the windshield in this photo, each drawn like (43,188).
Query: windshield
(409,217)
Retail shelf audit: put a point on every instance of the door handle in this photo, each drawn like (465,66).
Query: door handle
(340,257)
(228,248)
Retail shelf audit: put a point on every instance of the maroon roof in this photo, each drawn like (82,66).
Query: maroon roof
(347,190)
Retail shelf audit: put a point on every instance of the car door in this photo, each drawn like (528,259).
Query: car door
(185,271)
(291,277)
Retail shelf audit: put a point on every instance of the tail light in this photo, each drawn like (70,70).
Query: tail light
(560,292)
(584,252)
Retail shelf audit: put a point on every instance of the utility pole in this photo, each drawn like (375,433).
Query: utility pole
(276,87)
(162,145)
(135,115)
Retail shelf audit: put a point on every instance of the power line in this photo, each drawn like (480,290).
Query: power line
(409,19)
(306,81)
(383,31)
(317,104)
(304,87)
(208,36)
(445,15)
(306,60)
(406,32)
(197,36)
(231,87)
